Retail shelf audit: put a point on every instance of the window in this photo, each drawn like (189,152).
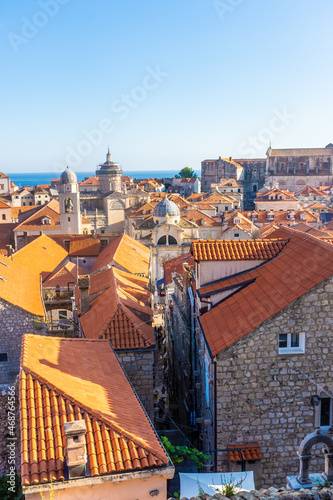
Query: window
(325,412)
(63,314)
(2,186)
(236,235)
(3,216)
(3,357)
(69,219)
(291,343)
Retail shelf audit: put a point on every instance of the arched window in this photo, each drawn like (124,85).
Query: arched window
(172,240)
(68,206)
(162,240)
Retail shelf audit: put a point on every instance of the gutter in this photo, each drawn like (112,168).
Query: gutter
(166,472)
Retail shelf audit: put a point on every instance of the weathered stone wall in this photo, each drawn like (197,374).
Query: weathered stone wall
(316,493)
(265,397)
(14,323)
(139,367)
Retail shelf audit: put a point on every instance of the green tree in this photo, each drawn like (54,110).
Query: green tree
(186,172)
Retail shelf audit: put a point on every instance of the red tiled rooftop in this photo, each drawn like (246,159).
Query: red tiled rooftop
(121,314)
(54,389)
(176,265)
(242,452)
(207,250)
(304,262)
(127,253)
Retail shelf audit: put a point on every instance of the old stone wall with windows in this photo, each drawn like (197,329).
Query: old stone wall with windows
(275,385)
(15,322)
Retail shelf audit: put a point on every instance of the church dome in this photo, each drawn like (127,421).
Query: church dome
(68,177)
(166,207)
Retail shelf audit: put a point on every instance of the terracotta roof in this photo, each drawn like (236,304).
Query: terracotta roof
(84,246)
(318,205)
(91,181)
(280,216)
(195,197)
(20,286)
(128,253)
(276,193)
(244,452)
(4,205)
(200,218)
(309,190)
(2,175)
(16,211)
(51,210)
(113,314)
(176,265)
(302,264)
(54,389)
(205,250)
(42,254)
(301,152)
(63,275)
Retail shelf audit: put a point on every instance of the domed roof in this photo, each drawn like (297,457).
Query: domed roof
(166,207)
(68,177)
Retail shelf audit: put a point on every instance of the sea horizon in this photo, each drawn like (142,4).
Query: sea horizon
(34,178)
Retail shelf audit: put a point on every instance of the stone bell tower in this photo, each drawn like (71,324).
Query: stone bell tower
(69,203)
(109,175)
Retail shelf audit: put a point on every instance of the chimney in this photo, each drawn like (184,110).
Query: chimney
(76,451)
(84,284)
(9,250)
(230,158)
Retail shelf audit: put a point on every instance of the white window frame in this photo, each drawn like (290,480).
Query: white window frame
(300,349)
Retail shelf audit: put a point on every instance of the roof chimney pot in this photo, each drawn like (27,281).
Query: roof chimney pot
(76,450)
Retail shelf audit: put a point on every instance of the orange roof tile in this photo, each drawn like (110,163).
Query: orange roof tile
(279,216)
(84,246)
(118,321)
(91,181)
(16,211)
(240,452)
(50,210)
(63,275)
(128,253)
(276,193)
(200,218)
(4,205)
(176,265)
(304,262)
(54,389)
(42,254)
(205,250)
(20,286)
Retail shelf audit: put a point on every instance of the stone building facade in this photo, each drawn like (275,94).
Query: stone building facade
(15,322)
(249,172)
(266,397)
(293,169)
(139,367)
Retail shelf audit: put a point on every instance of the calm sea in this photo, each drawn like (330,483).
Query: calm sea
(26,179)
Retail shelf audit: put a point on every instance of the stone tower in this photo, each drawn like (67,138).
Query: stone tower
(109,175)
(69,203)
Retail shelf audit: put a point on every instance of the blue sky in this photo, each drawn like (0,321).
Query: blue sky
(165,84)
